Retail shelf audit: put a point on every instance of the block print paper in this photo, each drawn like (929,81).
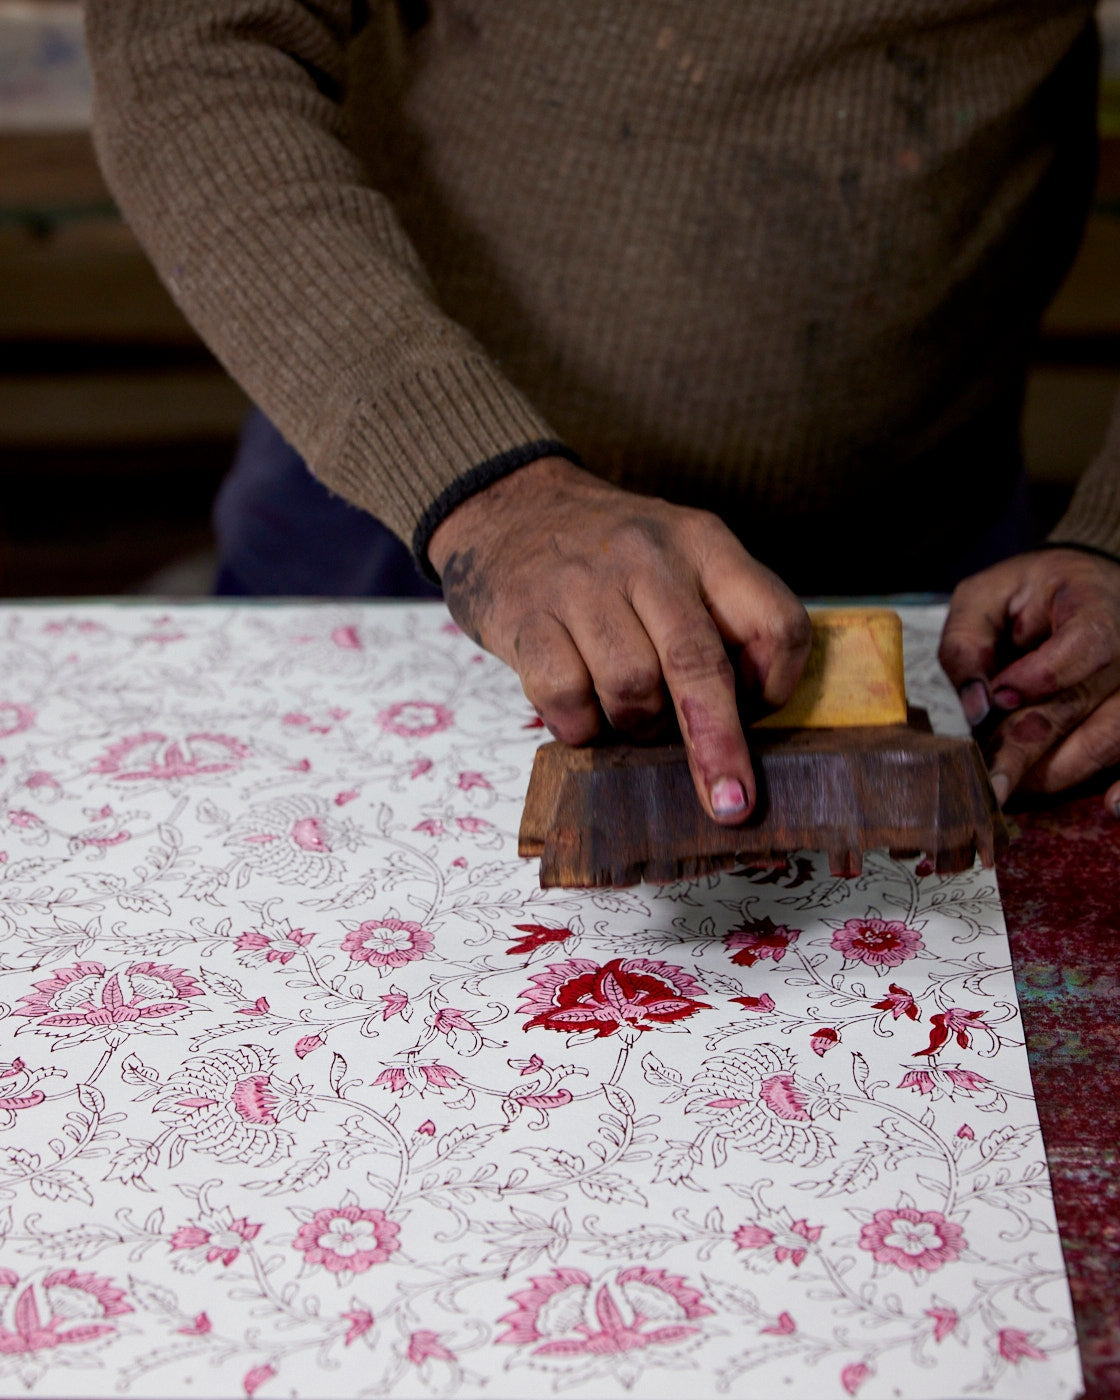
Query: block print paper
(308,1090)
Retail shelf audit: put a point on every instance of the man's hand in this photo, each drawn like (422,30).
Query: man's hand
(601,600)
(1038,637)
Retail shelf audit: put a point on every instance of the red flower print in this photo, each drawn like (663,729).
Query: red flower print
(634,994)
(87,1001)
(944,1081)
(912,1239)
(274,947)
(898,1002)
(415,719)
(1016,1346)
(347,1239)
(306,1044)
(763,1003)
(758,939)
(538,936)
(879,943)
(965,1132)
(33,1318)
(824,1040)
(387,943)
(944,1322)
(954,1022)
(424,1346)
(565,1313)
(427,1128)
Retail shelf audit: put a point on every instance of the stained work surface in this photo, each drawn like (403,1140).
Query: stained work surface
(1060,883)
(310,1090)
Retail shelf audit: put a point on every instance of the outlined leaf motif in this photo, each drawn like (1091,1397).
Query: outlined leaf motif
(338,1072)
(464,1142)
(611,1189)
(61,1184)
(554,1160)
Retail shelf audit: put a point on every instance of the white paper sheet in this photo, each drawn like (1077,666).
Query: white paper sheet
(308,1090)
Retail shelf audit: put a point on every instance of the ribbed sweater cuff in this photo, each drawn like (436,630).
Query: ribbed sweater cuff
(1093,518)
(422,444)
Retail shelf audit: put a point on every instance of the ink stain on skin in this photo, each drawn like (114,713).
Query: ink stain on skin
(467,593)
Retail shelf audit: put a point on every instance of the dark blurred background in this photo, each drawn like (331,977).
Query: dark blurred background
(116,424)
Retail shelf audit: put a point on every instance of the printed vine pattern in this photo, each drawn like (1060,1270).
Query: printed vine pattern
(306,1088)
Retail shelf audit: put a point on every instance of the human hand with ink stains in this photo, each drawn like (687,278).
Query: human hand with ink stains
(609,604)
(1036,639)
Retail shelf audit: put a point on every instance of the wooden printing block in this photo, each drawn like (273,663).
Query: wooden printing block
(617,814)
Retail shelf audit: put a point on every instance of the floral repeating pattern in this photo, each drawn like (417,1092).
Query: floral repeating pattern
(307,1089)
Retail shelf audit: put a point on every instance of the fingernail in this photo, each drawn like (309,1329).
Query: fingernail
(1001,786)
(974,702)
(1006,698)
(728,797)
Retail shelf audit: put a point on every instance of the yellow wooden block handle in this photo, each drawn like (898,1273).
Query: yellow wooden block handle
(853,675)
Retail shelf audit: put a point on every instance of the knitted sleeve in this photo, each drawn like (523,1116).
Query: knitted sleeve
(219,125)
(1093,518)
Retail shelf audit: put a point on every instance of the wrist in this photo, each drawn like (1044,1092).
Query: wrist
(497,504)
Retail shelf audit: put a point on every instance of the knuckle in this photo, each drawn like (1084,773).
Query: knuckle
(791,630)
(633,686)
(698,656)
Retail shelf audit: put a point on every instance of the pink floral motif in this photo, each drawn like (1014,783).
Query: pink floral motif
(257,1377)
(787,1241)
(155,755)
(1016,1346)
(758,939)
(426,1346)
(824,1040)
(15,718)
(780,1093)
(912,1239)
(411,1076)
(387,943)
(34,1318)
(346,1239)
(230,1104)
(944,1081)
(347,638)
(632,994)
(461,1028)
(472,780)
(565,1313)
(18,1095)
(944,1322)
(222,1241)
(473,826)
(415,719)
(783,1327)
(430,826)
(306,1044)
(87,1001)
(277,948)
(360,1322)
(879,943)
(853,1376)
(293,839)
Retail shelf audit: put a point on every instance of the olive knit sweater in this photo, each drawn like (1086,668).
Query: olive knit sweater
(782,258)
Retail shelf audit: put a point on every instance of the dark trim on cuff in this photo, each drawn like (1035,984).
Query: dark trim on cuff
(1084,548)
(474,481)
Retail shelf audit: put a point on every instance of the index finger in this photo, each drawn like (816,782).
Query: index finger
(970,641)
(701,681)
